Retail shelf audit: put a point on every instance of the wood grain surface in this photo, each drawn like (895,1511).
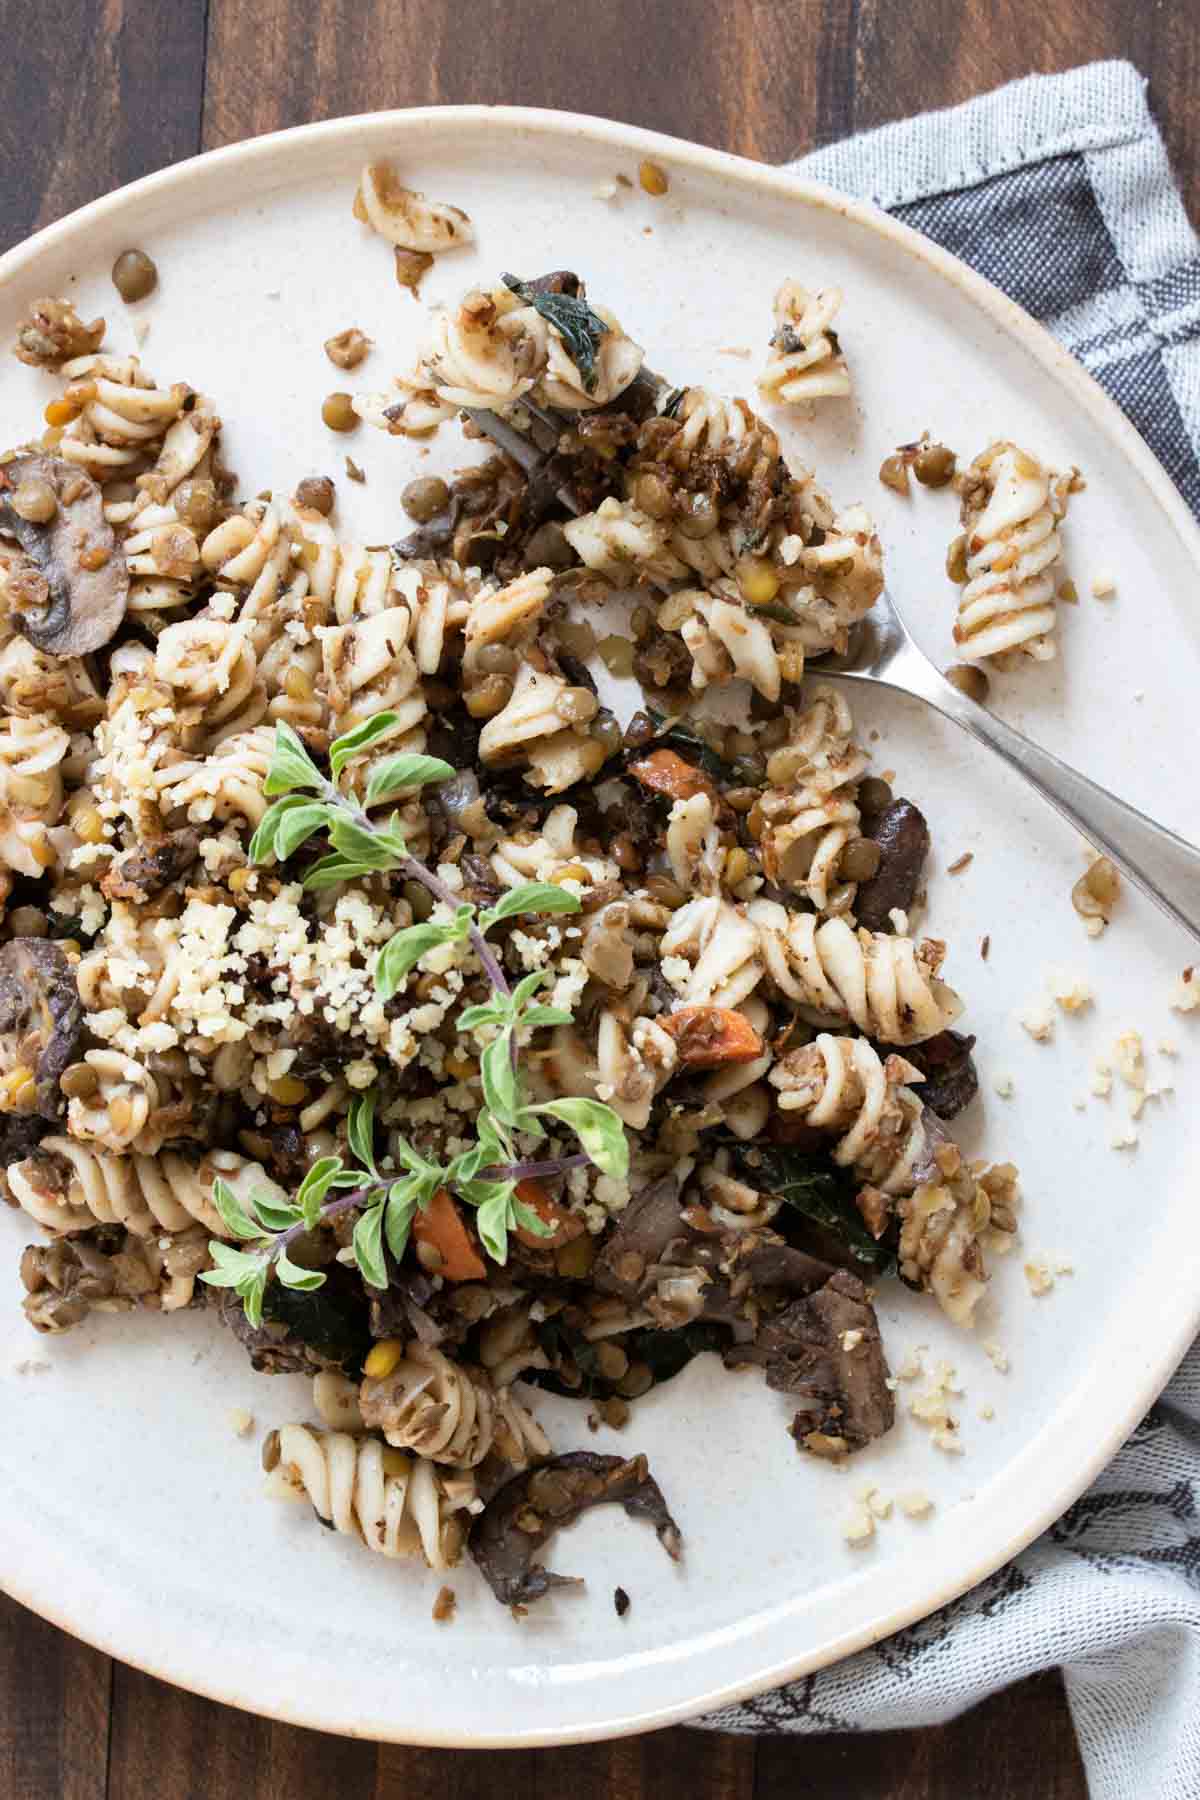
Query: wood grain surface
(96,92)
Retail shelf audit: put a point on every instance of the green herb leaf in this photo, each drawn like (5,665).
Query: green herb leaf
(491,1012)
(598,1128)
(579,327)
(233,1214)
(263,843)
(368,1247)
(368,848)
(493,1216)
(293,1276)
(405,771)
(232,1266)
(410,1158)
(332,871)
(526,988)
(500,1089)
(399,1208)
(276,1215)
(291,765)
(530,898)
(543,1015)
(300,823)
(351,742)
(404,951)
(252,1291)
(360,1129)
(528,1220)
(310,1195)
(817,1190)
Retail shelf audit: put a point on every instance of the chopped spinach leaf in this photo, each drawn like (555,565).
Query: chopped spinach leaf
(820,1192)
(579,327)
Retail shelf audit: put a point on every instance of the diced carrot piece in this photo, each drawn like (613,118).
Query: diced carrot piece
(664,772)
(707,1037)
(441,1226)
(564,1225)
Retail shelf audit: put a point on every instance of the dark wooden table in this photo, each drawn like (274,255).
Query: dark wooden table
(96,92)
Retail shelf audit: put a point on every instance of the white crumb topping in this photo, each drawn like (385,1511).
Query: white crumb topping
(241,1421)
(1124,1138)
(1003,1085)
(1070,991)
(997,1357)
(1102,1078)
(915,1504)
(1038,1021)
(1103,585)
(859,1527)
(1187,992)
(1039,1275)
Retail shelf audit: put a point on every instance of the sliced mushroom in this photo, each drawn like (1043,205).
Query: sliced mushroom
(77,588)
(519,1519)
(903,838)
(826,1350)
(41,1018)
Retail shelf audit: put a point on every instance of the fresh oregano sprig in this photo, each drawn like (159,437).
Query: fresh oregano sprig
(486,1175)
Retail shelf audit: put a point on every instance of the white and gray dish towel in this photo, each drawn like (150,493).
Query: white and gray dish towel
(1058,189)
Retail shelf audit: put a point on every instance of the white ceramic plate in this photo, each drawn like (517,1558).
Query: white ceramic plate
(129,1511)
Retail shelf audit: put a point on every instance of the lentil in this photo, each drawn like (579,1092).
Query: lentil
(134,275)
(337,413)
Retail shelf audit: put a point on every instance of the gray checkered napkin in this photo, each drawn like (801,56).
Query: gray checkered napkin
(1058,189)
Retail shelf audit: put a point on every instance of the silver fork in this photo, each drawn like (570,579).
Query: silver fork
(1162,865)
(882,650)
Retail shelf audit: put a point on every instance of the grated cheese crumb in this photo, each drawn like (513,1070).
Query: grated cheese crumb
(915,1504)
(241,1421)
(1103,586)
(1187,993)
(1124,1139)
(1039,1276)
(1003,1085)
(1101,1079)
(997,1358)
(1038,1021)
(850,1340)
(859,1527)
(987,1413)
(1070,991)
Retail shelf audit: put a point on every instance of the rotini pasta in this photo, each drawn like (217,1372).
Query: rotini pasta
(67,1186)
(810,812)
(398,1505)
(1011,510)
(805,361)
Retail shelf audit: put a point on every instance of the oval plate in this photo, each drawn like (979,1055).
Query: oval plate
(130,1513)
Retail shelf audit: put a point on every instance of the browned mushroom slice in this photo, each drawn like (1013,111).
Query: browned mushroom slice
(518,1520)
(73,597)
(41,1018)
(826,1350)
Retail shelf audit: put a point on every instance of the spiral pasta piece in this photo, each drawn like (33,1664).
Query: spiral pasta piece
(118,1109)
(841,1085)
(398,1505)
(430,1405)
(406,218)
(122,413)
(805,360)
(227,784)
(810,810)
(69,1186)
(31,792)
(886,986)
(212,671)
(1011,510)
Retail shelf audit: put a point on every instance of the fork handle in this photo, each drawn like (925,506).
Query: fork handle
(1162,865)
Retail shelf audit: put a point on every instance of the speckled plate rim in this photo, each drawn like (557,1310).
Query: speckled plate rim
(1177,1323)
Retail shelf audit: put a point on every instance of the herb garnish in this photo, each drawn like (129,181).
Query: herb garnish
(579,327)
(819,1190)
(487,1174)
